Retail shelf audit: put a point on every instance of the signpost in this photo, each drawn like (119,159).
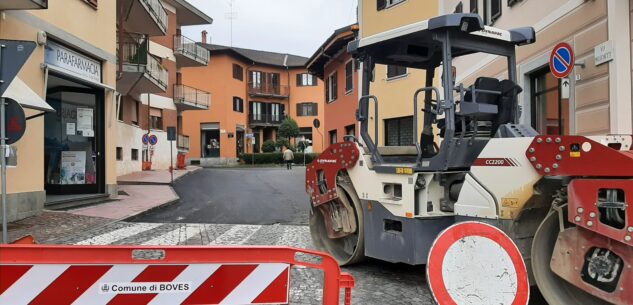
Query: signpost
(171,137)
(561,63)
(13,55)
(316,123)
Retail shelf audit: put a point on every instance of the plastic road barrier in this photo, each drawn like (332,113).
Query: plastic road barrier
(51,274)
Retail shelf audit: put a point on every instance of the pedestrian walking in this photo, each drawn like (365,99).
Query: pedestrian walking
(288,157)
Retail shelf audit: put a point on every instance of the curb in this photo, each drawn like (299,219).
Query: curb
(128,182)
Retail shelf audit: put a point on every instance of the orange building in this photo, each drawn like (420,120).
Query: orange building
(253,91)
(339,70)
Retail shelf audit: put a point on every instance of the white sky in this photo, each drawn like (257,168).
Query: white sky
(286,26)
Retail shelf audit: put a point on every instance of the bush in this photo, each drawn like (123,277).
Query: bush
(281,142)
(268,146)
(274,158)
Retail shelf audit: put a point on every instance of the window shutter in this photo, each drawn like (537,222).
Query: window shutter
(315,109)
(335,86)
(314,80)
(299,79)
(299,113)
(381,4)
(327,89)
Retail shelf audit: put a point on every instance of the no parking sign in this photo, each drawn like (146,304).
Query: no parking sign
(476,264)
(561,61)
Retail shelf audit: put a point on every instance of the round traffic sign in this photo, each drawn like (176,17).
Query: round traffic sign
(153,140)
(561,61)
(145,139)
(476,263)
(316,123)
(14,121)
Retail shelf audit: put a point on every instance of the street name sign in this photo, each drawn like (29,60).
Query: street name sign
(561,61)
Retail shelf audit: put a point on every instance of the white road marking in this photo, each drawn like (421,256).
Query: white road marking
(119,234)
(236,235)
(175,236)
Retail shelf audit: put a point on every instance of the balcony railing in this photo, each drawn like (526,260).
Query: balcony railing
(189,48)
(183,142)
(135,51)
(192,96)
(267,89)
(158,11)
(266,119)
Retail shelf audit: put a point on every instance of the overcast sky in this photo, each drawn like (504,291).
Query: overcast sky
(287,26)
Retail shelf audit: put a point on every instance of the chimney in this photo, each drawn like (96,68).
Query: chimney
(204,36)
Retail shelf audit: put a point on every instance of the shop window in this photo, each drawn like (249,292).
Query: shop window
(307,109)
(134,154)
(119,153)
(332,134)
(306,79)
(396,71)
(155,118)
(349,76)
(399,131)
(459,8)
(238,72)
(383,4)
(474,6)
(238,104)
(331,88)
(492,11)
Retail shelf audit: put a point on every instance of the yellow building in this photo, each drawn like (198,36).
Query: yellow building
(394,86)
(67,88)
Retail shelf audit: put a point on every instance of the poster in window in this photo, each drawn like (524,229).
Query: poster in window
(73,167)
(84,121)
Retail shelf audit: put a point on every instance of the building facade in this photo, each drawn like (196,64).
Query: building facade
(153,96)
(253,92)
(67,88)
(332,64)
(394,86)
(599,97)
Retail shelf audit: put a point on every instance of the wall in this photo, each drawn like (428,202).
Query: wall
(373,21)
(342,112)
(313,94)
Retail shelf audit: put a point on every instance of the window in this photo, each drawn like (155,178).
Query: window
(256,79)
(396,71)
(93,3)
(305,79)
(134,154)
(238,72)
(331,88)
(383,4)
(238,104)
(399,131)
(155,118)
(349,76)
(119,109)
(350,130)
(119,153)
(474,6)
(332,136)
(512,2)
(307,109)
(459,8)
(135,111)
(256,111)
(275,112)
(492,11)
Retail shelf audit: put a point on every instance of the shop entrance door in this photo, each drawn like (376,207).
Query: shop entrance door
(550,113)
(74,159)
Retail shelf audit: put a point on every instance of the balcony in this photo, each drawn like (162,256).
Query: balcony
(141,72)
(258,119)
(23,4)
(188,98)
(182,143)
(188,53)
(144,16)
(268,90)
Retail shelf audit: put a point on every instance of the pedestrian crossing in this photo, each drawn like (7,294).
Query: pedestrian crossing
(194,234)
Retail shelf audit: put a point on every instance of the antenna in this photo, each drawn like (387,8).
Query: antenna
(231,15)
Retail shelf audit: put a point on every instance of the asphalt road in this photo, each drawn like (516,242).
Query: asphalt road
(238,196)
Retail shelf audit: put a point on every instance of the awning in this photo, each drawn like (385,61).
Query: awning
(23,94)
(79,79)
(210,126)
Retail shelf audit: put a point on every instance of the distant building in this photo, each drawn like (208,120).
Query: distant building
(152,52)
(339,71)
(253,91)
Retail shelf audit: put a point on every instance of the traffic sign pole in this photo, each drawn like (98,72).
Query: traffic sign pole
(3,149)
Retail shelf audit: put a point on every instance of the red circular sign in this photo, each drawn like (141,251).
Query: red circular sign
(476,263)
(562,59)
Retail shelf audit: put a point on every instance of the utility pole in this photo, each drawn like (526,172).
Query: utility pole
(3,149)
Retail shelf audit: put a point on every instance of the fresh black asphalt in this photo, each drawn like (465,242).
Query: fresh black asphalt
(238,196)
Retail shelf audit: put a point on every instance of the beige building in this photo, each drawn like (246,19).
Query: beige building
(599,99)
(67,90)
(394,86)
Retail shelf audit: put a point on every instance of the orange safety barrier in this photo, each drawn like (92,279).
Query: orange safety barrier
(41,274)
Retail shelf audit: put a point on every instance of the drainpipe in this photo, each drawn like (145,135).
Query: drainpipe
(288,81)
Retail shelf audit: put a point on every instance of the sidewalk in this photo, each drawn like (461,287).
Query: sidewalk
(139,192)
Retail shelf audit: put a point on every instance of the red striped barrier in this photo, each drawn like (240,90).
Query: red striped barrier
(48,274)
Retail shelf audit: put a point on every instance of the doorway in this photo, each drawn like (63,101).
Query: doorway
(549,113)
(74,158)
(211,143)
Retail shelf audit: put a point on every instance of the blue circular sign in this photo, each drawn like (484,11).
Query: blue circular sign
(153,140)
(561,61)
(145,139)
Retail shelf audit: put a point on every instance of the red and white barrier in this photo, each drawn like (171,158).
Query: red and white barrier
(33,274)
